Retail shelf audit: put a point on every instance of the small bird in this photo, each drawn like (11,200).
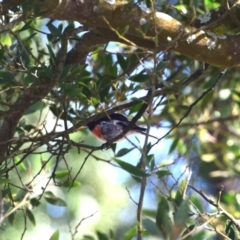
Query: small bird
(109,127)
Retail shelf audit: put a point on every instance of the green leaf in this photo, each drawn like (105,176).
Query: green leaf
(103,85)
(162,65)
(6,77)
(123,151)
(188,229)
(88,237)
(126,28)
(31,217)
(178,198)
(5,192)
(151,227)
(55,235)
(11,218)
(25,26)
(47,71)
(198,203)
(20,195)
(65,72)
(135,108)
(131,169)
(51,53)
(2,51)
(173,145)
(150,158)
(162,218)
(54,30)
(113,147)
(163,173)
(231,231)
(102,236)
(95,101)
(141,77)
(35,202)
(122,62)
(52,199)
(130,233)
(38,106)
(132,61)
(70,89)
(152,163)
(70,183)
(4,180)
(5,40)
(30,37)
(61,174)
(181,216)
(29,127)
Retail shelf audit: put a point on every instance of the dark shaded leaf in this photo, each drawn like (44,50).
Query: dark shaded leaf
(123,151)
(4,180)
(54,30)
(51,53)
(163,220)
(11,218)
(47,71)
(104,84)
(6,77)
(122,62)
(131,169)
(231,231)
(31,217)
(162,65)
(113,147)
(35,202)
(188,229)
(141,77)
(173,145)
(25,26)
(163,173)
(52,199)
(2,51)
(178,198)
(102,236)
(4,192)
(30,37)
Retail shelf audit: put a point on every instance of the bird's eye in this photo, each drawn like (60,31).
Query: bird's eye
(104,123)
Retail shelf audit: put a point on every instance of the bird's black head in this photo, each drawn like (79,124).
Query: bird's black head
(113,116)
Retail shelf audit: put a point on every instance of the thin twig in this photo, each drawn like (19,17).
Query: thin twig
(218,206)
(79,224)
(192,105)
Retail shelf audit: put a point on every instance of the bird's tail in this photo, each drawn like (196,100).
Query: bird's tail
(142,131)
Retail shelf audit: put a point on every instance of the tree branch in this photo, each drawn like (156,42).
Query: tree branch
(218,206)
(140,27)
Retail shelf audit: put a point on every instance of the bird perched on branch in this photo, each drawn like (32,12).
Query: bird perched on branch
(109,127)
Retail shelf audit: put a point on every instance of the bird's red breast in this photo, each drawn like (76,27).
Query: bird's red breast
(97,131)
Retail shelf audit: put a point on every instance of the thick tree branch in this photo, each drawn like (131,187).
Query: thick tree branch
(31,95)
(138,25)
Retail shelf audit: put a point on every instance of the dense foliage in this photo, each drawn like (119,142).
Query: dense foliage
(171,66)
